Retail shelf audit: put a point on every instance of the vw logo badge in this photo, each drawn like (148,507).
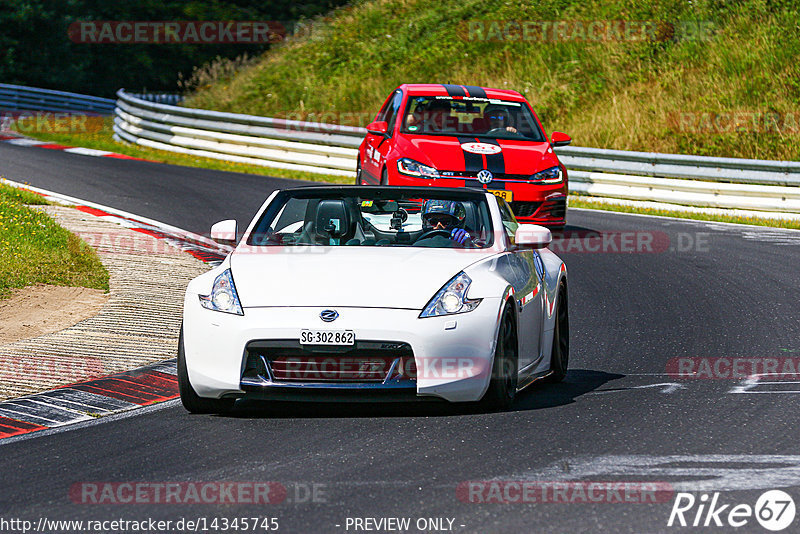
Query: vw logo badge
(328,315)
(485,176)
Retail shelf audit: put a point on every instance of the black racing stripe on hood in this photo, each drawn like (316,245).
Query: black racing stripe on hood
(454,90)
(495,163)
(472,162)
(475,91)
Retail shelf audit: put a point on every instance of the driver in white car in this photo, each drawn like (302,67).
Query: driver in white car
(447,216)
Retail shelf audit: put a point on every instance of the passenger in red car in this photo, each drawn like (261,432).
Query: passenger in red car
(438,116)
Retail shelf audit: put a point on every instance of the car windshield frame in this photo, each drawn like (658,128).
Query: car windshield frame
(536,136)
(262,234)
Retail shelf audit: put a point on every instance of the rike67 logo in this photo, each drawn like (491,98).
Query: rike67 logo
(774,510)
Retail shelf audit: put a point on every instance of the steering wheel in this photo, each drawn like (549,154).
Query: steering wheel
(432,233)
(498,131)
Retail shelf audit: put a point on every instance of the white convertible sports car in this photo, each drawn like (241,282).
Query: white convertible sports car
(365,293)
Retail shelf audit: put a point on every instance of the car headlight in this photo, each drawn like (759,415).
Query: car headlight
(548,176)
(452,298)
(410,167)
(223,297)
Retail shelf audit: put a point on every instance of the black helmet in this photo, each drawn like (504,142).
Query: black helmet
(448,210)
(497,113)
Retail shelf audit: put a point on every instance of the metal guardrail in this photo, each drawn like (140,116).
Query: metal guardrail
(21,98)
(172,99)
(286,144)
(332,149)
(734,170)
(732,183)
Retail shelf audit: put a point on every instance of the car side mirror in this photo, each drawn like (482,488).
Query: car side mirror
(532,236)
(378,128)
(225,232)
(560,139)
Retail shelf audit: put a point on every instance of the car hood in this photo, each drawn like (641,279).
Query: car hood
(447,154)
(380,277)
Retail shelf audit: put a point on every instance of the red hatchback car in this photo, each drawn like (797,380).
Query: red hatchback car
(463,135)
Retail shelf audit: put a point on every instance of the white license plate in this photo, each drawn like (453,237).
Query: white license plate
(327,337)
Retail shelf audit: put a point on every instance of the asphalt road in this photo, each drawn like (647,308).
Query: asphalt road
(699,290)
(186,197)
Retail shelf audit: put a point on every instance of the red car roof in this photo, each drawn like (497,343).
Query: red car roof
(438,89)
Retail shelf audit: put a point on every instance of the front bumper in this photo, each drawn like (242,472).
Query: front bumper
(452,355)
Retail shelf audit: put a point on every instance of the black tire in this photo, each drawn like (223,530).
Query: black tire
(190,400)
(559,356)
(503,383)
(384,177)
(358,174)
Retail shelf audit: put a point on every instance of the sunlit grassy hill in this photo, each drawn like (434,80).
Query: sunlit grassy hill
(701,77)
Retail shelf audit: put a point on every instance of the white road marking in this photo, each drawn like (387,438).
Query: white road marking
(87,151)
(669,387)
(122,222)
(24,141)
(750,383)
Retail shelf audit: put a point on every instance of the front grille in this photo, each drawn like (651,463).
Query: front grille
(524,209)
(286,361)
(474,174)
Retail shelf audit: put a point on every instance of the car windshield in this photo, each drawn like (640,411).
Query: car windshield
(385,218)
(473,117)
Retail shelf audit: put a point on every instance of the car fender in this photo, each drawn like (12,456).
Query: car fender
(402,147)
(488,278)
(489,281)
(555,271)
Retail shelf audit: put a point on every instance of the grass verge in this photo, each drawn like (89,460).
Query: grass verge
(103,140)
(36,250)
(774,223)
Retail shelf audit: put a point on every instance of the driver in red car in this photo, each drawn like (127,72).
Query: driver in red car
(498,118)
(448,217)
